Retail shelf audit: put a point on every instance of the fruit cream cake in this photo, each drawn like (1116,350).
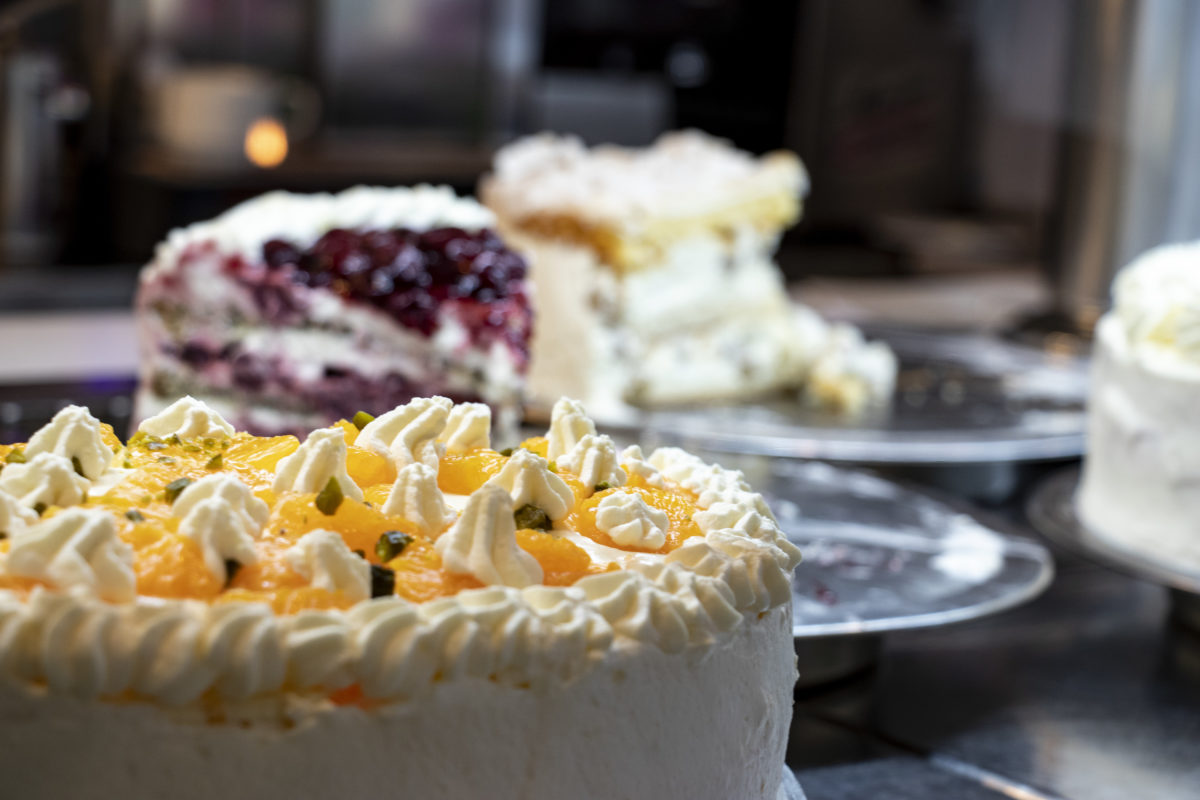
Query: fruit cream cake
(1141,477)
(291,311)
(389,607)
(656,264)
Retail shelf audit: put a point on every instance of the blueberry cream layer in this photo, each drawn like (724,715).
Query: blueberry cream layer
(291,311)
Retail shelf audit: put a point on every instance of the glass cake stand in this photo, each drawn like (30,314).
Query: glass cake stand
(960,399)
(1051,510)
(880,557)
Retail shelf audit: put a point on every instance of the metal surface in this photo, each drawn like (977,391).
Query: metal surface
(880,557)
(1051,510)
(960,399)
(1087,693)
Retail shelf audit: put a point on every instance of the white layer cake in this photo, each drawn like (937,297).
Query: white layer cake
(391,610)
(660,262)
(1141,477)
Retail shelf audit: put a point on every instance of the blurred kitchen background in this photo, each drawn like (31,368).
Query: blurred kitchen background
(973,161)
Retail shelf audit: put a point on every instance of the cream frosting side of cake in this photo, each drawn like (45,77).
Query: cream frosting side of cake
(1141,477)
(642,724)
(683,174)
(175,650)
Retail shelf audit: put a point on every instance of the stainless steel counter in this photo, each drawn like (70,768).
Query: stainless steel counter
(1088,693)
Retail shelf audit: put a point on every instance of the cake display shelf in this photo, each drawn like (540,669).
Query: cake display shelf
(880,557)
(1051,511)
(960,399)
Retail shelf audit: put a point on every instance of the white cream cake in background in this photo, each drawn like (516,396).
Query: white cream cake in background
(655,277)
(389,607)
(1141,477)
(290,311)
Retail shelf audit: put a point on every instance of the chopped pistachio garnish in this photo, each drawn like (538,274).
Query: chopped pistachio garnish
(174,439)
(362,419)
(15,456)
(506,452)
(530,516)
(133,515)
(391,544)
(329,498)
(155,446)
(216,462)
(383,581)
(175,488)
(601,486)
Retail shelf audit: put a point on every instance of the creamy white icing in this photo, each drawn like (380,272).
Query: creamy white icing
(630,522)
(634,462)
(46,479)
(468,427)
(14,517)
(684,173)
(221,515)
(303,218)
(187,418)
(318,649)
(76,548)
(526,476)
(323,559)
(483,542)
(593,460)
(319,459)
(1157,299)
(74,434)
(416,497)
(568,424)
(849,373)
(408,434)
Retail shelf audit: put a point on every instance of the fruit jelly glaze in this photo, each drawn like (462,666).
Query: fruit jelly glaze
(170,565)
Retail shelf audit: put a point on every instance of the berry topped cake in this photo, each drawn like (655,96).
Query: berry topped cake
(291,311)
(386,607)
(1141,477)
(656,266)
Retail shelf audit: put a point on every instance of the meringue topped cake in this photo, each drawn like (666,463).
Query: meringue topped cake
(291,311)
(386,607)
(656,265)
(1141,477)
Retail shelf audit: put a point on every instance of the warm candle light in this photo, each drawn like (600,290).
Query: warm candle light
(266,143)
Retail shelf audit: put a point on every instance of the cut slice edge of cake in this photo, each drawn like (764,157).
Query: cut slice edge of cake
(291,311)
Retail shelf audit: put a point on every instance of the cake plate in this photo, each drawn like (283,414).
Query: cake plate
(961,399)
(1051,510)
(879,557)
